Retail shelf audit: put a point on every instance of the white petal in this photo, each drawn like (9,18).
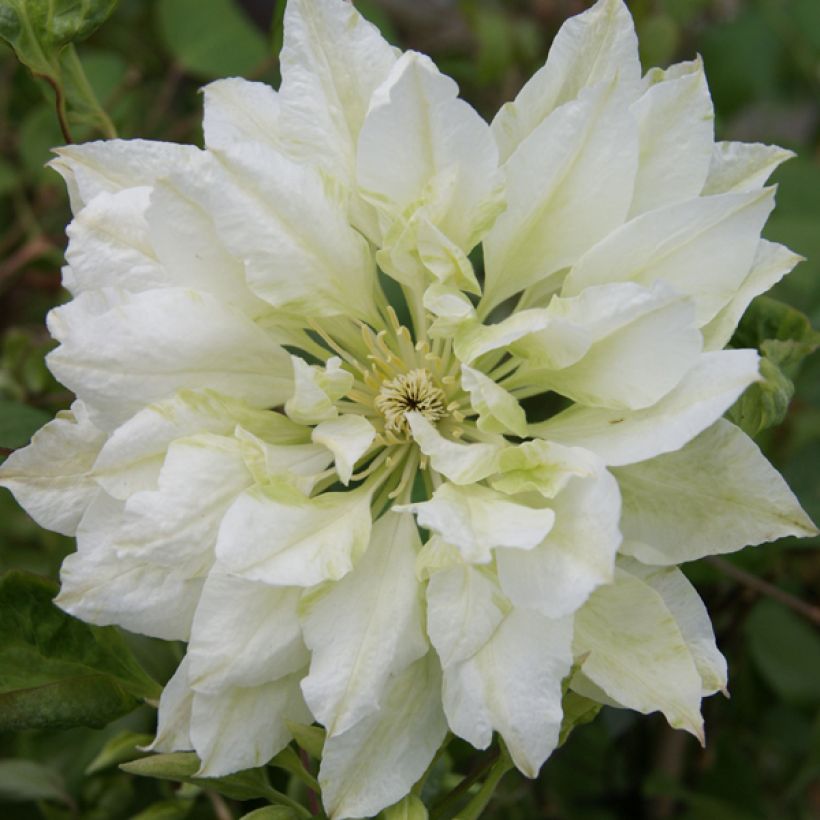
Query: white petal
(703,248)
(675,121)
(276,535)
(590,48)
(365,629)
(244,728)
(375,763)
(464,607)
(771,263)
(174,716)
(112,165)
(742,166)
(633,649)
(310,402)
(155,343)
(576,557)
(568,186)
(332,60)
(620,437)
(348,437)
(244,645)
(461,463)
(685,604)
(51,478)
(476,519)
(716,495)
(103,588)
(449,158)
(498,411)
(240,111)
(513,686)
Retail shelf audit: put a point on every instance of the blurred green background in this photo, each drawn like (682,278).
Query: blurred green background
(762,758)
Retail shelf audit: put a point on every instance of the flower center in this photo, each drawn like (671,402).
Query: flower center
(414,390)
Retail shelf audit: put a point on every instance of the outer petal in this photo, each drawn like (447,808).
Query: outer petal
(635,652)
(332,60)
(239,111)
(715,495)
(113,165)
(685,604)
(577,555)
(243,728)
(476,519)
(365,629)
(155,343)
(703,248)
(52,477)
(375,763)
(102,587)
(675,121)
(513,685)
(568,186)
(619,437)
(244,634)
(742,166)
(464,607)
(590,48)
(498,411)
(348,438)
(292,232)
(174,718)
(277,535)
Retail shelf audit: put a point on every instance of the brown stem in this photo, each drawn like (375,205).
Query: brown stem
(25,254)
(314,806)
(765,588)
(483,764)
(59,100)
(222,810)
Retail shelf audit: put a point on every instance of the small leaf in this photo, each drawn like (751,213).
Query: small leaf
(23,780)
(765,403)
(182,767)
(165,810)
(408,808)
(271,813)
(56,671)
(310,738)
(578,710)
(289,761)
(119,749)
(18,423)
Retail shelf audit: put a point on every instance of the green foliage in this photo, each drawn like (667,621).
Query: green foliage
(56,671)
(19,422)
(409,808)
(120,749)
(271,813)
(22,780)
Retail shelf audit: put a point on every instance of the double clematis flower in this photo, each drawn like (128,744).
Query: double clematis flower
(370,486)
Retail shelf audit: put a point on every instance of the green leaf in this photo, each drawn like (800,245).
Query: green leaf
(309,738)
(119,749)
(408,808)
(18,423)
(23,780)
(271,813)
(289,761)
(165,810)
(578,710)
(56,671)
(765,403)
(786,652)
(219,43)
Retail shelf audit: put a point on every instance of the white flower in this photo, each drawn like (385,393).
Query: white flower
(256,427)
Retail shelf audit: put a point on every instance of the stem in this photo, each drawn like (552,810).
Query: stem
(82,95)
(477,805)
(221,809)
(482,766)
(278,798)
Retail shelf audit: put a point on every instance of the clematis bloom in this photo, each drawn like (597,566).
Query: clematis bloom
(304,437)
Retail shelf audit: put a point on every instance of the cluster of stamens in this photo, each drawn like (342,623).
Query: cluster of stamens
(414,390)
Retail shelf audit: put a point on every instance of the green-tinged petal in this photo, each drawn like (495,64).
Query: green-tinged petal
(174,716)
(703,248)
(242,728)
(451,308)
(103,587)
(577,555)
(366,629)
(375,763)
(464,607)
(590,48)
(715,495)
(498,411)
(675,123)
(568,186)
(620,437)
(158,342)
(348,438)
(312,401)
(332,60)
(291,230)
(275,534)
(771,263)
(513,686)
(248,645)
(742,166)
(131,458)
(476,520)
(632,648)
(236,110)
(685,604)
(52,477)
(436,555)
(461,463)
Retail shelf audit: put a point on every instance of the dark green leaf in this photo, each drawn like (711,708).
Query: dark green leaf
(120,749)
(165,810)
(22,780)
(18,423)
(310,738)
(271,813)
(765,403)
(56,671)
(289,761)
(219,43)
